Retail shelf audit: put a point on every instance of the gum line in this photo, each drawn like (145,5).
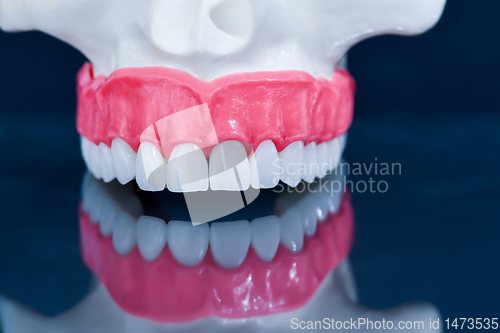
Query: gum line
(167,291)
(285,106)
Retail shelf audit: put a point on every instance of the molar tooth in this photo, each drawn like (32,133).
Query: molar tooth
(124,233)
(291,232)
(188,243)
(187,165)
(310,161)
(90,154)
(123,160)
(151,236)
(323,160)
(266,236)
(150,168)
(226,159)
(291,158)
(105,162)
(229,242)
(264,164)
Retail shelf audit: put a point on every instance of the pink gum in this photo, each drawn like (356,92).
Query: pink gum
(284,106)
(169,292)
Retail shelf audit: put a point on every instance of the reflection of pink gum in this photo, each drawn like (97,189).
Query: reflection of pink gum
(167,291)
(283,106)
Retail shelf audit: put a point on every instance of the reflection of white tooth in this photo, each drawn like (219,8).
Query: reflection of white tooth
(92,159)
(150,168)
(322,205)
(264,164)
(124,233)
(310,162)
(106,163)
(291,232)
(266,237)
(323,160)
(309,217)
(335,149)
(107,217)
(291,158)
(151,236)
(226,159)
(123,158)
(188,243)
(96,203)
(187,169)
(229,242)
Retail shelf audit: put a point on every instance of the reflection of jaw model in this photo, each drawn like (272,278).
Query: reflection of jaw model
(335,299)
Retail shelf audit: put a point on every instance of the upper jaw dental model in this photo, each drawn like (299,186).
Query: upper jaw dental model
(215,96)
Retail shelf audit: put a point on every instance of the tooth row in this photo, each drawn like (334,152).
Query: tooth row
(119,213)
(187,169)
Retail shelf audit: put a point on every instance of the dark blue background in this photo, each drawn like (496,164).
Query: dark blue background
(430,103)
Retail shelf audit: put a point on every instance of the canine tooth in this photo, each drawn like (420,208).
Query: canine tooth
(264,164)
(266,237)
(188,243)
(291,158)
(90,154)
(310,161)
(187,169)
(229,168)
(106,163)
(150,168)
(123,160)
(124,233)
(229,242)
(151,236)
(322,159)
(335,149)
(291,232)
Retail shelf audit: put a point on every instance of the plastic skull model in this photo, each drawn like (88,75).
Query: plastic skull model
(212,38)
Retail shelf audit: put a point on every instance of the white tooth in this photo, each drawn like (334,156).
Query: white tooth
(188,243)
(187,169)
(266,237)
(291,158)
(226,159)
(323,160)
(151,236)
(292,232)
(124,233)
(84,145)
(92,158)
(309,218)
(310,162)
(106,163)
(229,242)
(124,159)
(337,192)
(150,168)
(335,149)
(264,164)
